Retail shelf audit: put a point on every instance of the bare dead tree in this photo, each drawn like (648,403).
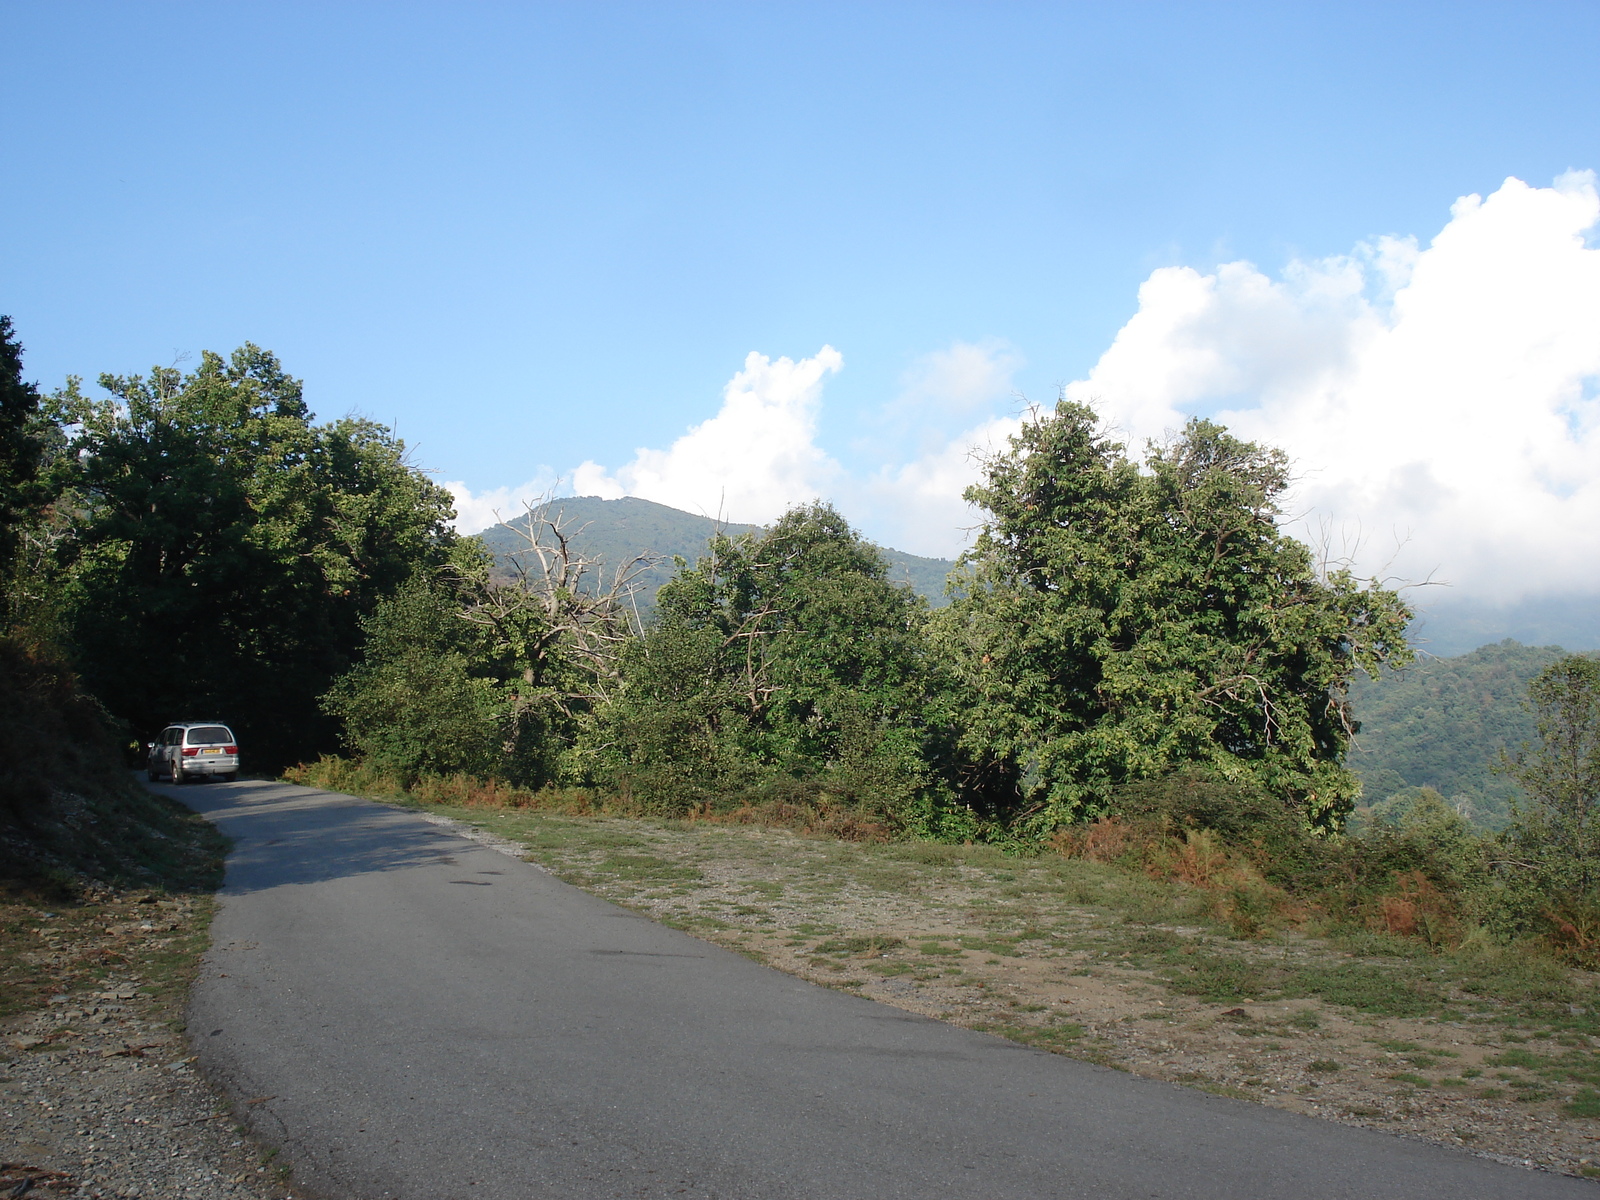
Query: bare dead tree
(564,615)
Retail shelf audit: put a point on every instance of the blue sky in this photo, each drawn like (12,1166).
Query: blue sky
(532,236)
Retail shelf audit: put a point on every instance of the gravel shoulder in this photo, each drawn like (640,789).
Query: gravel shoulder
(1497,1058)
(97,1095)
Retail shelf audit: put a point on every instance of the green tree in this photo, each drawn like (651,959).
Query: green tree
(1555,836)
(1443,722)
(420,701)
(1111,623)
(226,549)
(21,445)
(467,670)
(784,661)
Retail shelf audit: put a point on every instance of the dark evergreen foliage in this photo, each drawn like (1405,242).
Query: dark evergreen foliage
(20,443)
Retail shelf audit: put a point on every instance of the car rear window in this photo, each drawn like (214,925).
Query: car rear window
(206,735)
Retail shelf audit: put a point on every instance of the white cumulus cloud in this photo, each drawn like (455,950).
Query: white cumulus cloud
(1440,399)
(916,506)
(1442,404)
(962,378)
(750,462)
(476,511)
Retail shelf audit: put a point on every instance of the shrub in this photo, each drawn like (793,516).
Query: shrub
(787,807)
(1259,865)
(1571,928)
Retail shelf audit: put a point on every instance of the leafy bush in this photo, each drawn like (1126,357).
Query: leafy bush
(1261,865)
(413,705)
(783,669)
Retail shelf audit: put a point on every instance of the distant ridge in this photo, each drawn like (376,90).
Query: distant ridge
(1443,722)
(615,531)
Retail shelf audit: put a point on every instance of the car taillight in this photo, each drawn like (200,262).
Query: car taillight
(230,749)
(188,753)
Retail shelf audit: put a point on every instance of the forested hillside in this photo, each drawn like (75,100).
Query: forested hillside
(1443,722)
(618,531)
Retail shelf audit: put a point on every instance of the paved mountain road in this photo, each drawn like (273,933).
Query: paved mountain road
(416,1016)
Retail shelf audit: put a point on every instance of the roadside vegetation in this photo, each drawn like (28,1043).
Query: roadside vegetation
(105,899)
(70,817)
(1140,702)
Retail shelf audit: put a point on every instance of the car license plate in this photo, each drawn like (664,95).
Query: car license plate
(213,751)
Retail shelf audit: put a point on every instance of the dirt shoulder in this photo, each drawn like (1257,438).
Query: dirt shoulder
(97,1095)
(1491,1053)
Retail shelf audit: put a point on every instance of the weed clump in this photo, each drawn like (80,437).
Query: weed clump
(1258,867)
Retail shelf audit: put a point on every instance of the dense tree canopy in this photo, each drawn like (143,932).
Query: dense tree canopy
(225,548)
(465,670)
(20,443)
(213,552)
(1442,723)
(783,661)
(1133,639)
(1113,622)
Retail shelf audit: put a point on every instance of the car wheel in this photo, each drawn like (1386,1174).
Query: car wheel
(150,773)
(229,776)
(177,772)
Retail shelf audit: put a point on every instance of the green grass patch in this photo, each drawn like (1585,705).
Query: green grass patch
(1221,978)
(889,967)
(1364,987)
(648,868)
(1585,1104)
(988,946)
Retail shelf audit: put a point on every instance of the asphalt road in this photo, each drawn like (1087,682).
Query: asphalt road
(411,1014)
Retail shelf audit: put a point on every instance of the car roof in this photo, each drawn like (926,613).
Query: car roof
(192,724)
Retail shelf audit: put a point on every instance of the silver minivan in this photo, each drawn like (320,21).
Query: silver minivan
(194,750)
